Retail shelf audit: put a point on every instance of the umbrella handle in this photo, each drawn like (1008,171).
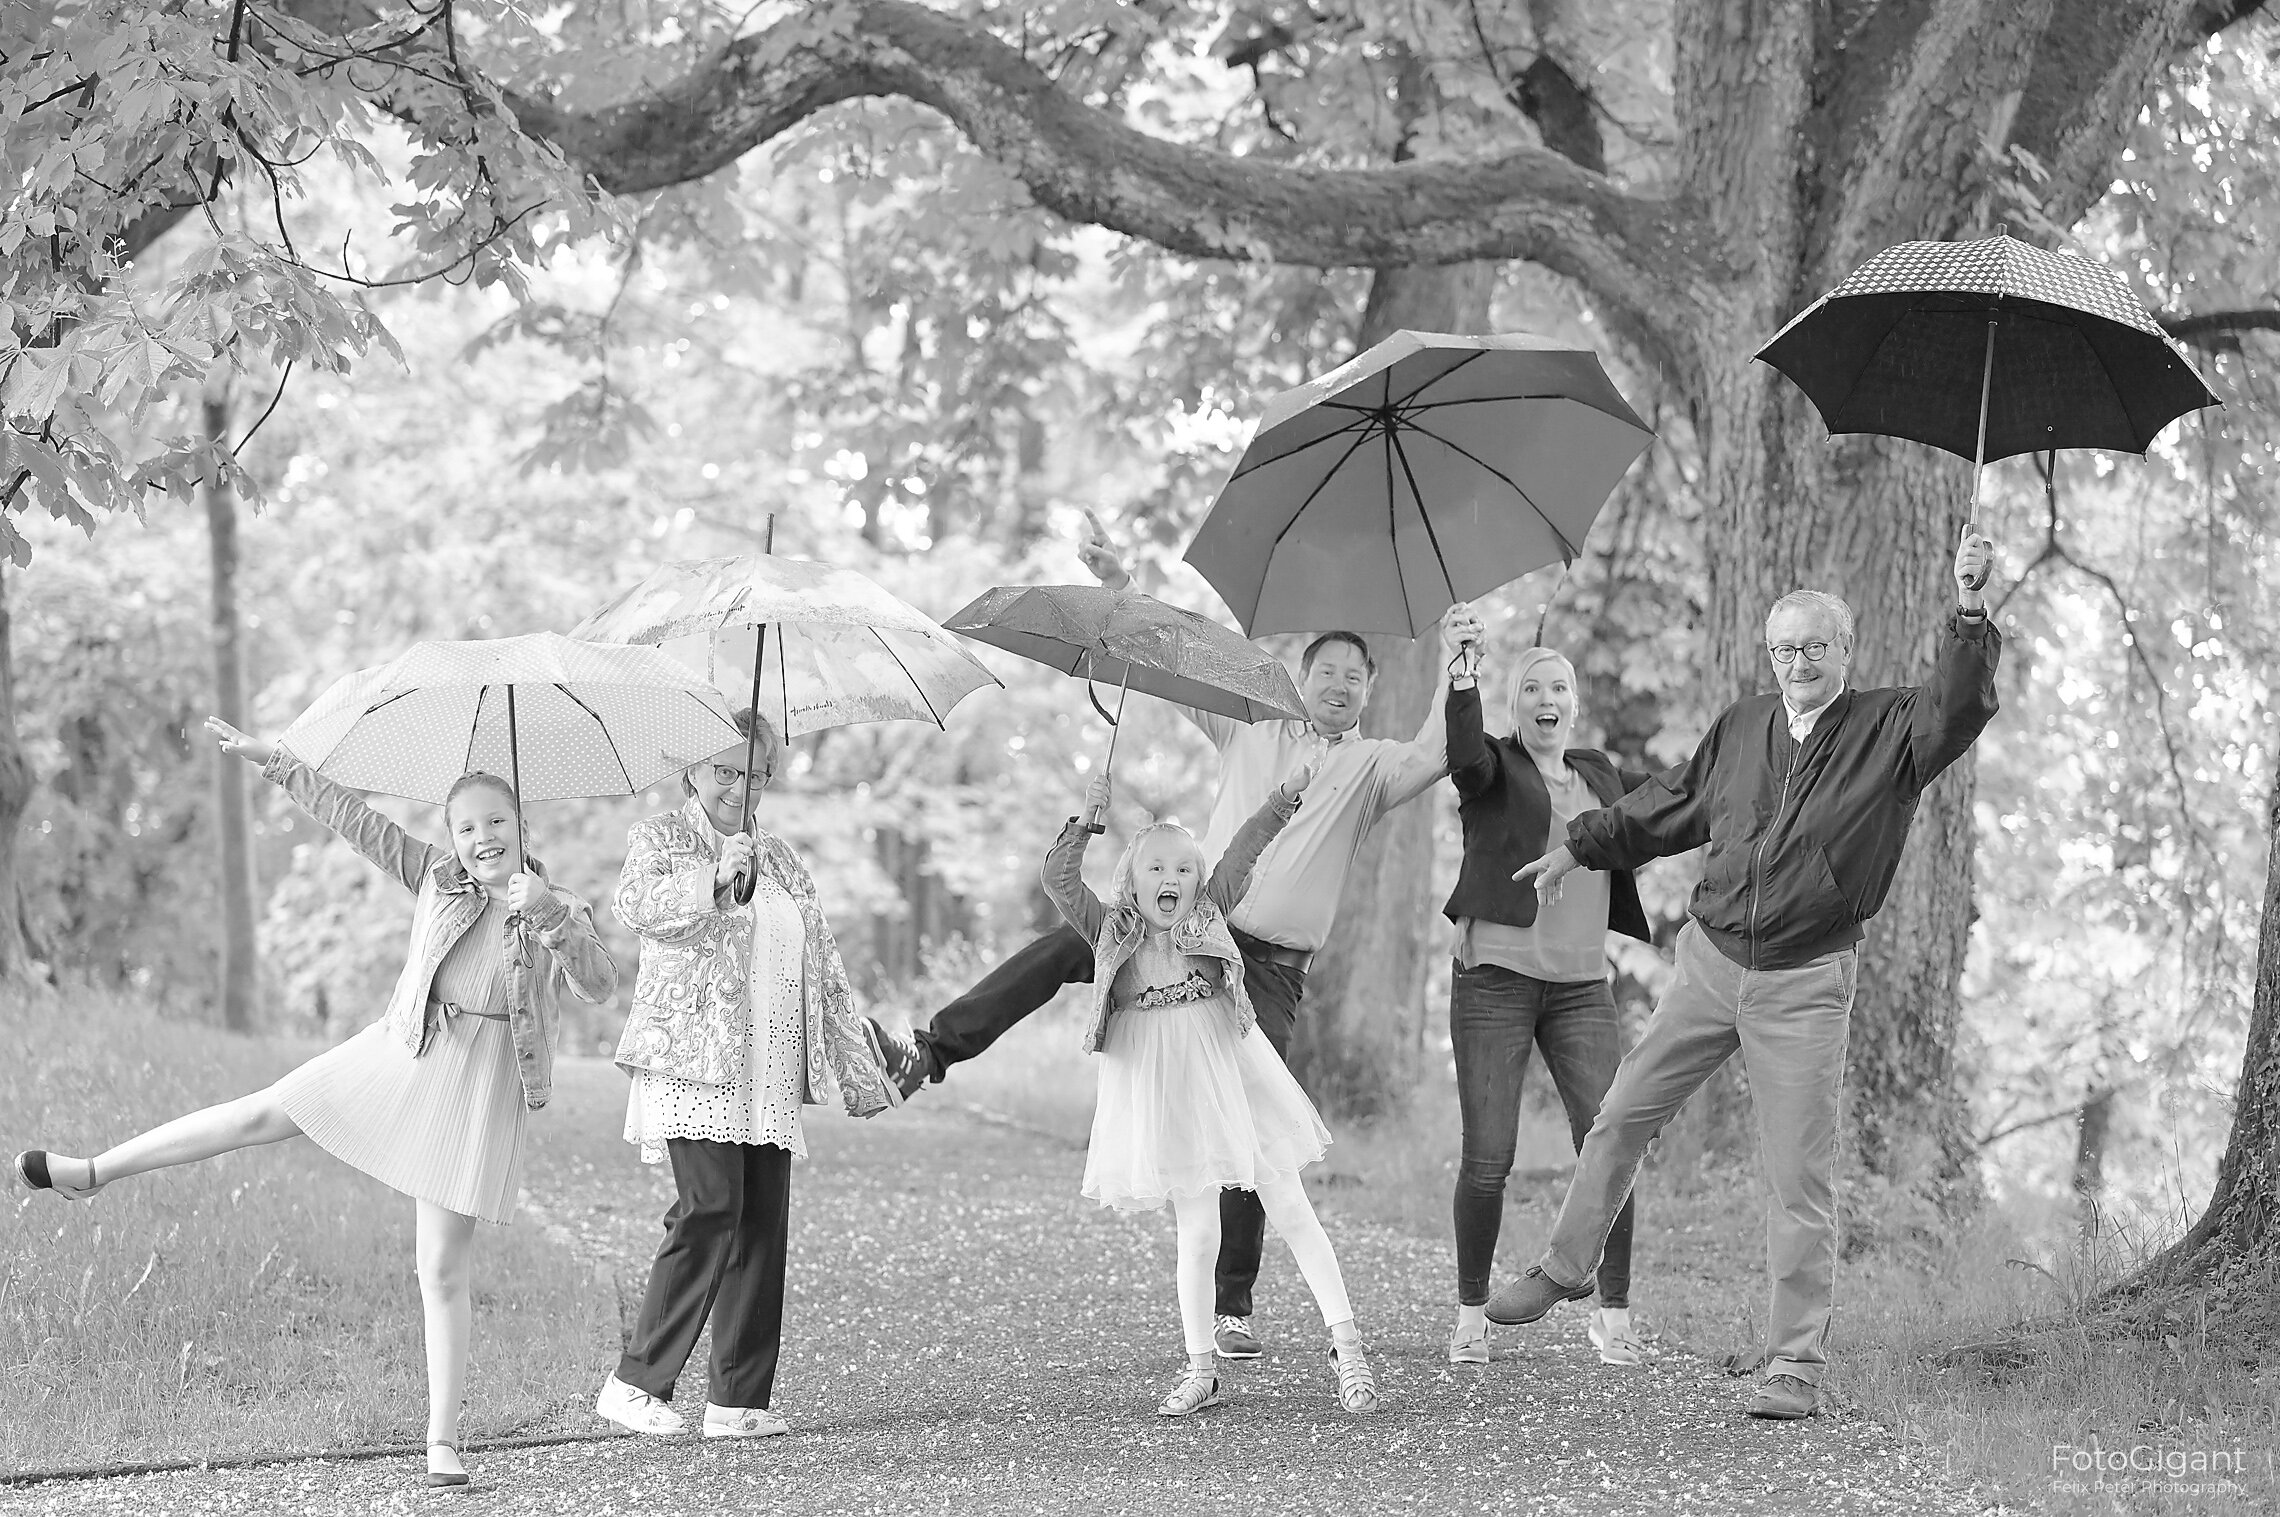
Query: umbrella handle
(1979,454)
(1096,818)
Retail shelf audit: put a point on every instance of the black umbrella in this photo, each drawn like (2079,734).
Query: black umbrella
(1988,349)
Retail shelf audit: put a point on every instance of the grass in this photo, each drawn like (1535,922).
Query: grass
(2044,1376)
(262,1300)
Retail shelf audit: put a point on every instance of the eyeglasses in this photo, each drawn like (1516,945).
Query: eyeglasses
(729,774)
(1786,653)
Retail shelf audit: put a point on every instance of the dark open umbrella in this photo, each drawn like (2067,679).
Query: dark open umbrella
(1430,469)
(1136,642)
(1988,349)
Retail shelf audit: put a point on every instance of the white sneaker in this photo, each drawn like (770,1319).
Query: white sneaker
(631,1407)
(743,1422)
(1611,1334)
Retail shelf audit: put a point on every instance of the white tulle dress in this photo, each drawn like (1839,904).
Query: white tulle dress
(1188,1105)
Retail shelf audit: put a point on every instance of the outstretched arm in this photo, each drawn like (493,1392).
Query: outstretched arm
(1064,872)
(389,847)
(1950,712)
(1233,875)
(1411,768)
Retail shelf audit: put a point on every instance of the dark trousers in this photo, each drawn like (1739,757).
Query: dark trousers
(1495,1015)
(1035,974)
(1275,990)
(1031,977)
(723,1258)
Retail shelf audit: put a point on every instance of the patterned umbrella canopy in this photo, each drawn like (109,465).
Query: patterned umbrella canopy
(1430,469)
(837,648)
(556,716)
(1937,341)
(1124,638)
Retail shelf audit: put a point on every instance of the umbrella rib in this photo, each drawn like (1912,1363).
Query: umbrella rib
(1242,469)
(1319,486)
(625,775)
(1404,403)
(1440,559)
(1392,523)
(1511,483)
(1492,400)
(932,714)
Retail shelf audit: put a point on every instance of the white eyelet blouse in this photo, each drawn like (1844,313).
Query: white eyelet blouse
(763,1104)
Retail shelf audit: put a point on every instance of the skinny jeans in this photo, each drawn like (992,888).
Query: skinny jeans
(1496,1016)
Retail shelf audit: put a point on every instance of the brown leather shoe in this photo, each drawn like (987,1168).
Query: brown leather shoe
(1785,1398)
(1528,1298)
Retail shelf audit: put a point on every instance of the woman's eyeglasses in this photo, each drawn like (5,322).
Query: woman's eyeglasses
(729,774)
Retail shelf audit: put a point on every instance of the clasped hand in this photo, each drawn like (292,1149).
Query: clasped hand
(735,858)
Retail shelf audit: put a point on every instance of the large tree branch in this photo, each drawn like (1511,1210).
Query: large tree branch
(1648,261)
(2210,328)
(2096,66)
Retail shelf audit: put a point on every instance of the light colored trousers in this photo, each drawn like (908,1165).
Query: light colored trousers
(1790,1026)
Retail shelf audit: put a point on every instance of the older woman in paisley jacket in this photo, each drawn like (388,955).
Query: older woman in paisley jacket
(741,1014)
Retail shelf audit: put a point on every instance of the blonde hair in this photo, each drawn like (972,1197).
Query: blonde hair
(1121,881)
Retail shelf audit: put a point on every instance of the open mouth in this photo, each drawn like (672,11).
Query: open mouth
(1548,723)
(490,853)
(1167,901)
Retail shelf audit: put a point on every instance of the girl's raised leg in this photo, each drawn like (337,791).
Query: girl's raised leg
(247,1122)
(445,1243)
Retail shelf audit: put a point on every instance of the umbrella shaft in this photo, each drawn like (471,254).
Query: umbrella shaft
(1979,451)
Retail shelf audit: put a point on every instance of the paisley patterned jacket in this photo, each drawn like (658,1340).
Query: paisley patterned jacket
(1116,930)
(690,1015)
(549,949)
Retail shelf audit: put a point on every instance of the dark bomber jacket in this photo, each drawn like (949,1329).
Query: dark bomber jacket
(1804,838)
(1507,816)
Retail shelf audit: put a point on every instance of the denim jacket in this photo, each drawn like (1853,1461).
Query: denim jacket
(449,901)
(690,1013)
(1116,930)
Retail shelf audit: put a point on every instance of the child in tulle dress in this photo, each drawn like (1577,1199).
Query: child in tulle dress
(1191,1102)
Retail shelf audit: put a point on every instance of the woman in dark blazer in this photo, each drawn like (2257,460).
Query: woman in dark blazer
(1527,975)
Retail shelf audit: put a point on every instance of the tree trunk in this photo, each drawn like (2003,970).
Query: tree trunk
(1360,1035)
(2234,1249)
(16,947)
(239,989)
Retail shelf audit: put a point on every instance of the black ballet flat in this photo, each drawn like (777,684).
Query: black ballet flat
(444,1479)
(32,1169)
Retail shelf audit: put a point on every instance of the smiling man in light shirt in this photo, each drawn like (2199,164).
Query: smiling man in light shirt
(1804,800)
(1283,919)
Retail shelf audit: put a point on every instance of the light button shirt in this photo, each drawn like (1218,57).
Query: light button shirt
(1294,891)
(1801,722)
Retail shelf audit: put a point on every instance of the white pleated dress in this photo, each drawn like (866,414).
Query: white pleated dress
(762,1105)
(446,1126)
(1187,1104)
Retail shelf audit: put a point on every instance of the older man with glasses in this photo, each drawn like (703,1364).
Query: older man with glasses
(1804,799)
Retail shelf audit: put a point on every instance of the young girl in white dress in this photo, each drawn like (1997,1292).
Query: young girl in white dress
(430,1099)
(1191,1102)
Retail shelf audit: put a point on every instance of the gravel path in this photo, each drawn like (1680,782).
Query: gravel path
(966,1334)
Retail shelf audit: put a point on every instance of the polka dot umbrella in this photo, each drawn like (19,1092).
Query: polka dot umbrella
(555,716)
(1987,349)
